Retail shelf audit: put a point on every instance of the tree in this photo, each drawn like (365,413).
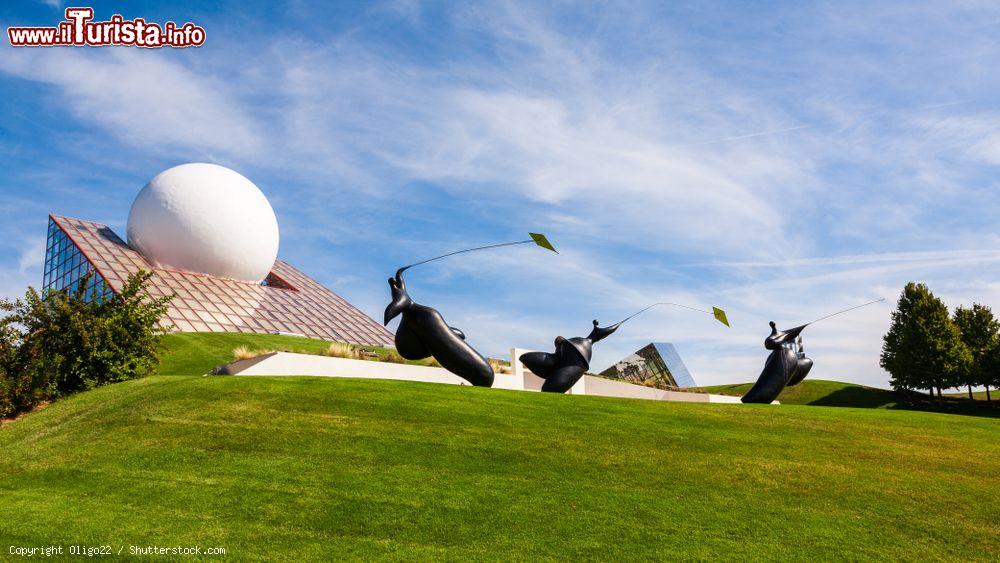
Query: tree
(62,342)
(923,348)
(992,372)
(980,333)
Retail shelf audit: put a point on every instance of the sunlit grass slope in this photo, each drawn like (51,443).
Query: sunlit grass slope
(317,468)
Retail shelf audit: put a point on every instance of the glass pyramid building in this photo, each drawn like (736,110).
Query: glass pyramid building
(287,301)
(657,364)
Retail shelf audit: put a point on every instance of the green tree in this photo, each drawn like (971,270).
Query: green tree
(923,348)
(980,333)
(992,375)
(62,342)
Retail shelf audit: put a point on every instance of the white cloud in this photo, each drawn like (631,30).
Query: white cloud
(32,256)
(579,136)
(974,136)
(928,258)
(28,271)
(143,97)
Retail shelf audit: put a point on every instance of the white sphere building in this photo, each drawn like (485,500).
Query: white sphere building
(206,219)
(209,238)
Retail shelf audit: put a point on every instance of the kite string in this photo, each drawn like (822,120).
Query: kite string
(846,310)
(466,250)
(663,303)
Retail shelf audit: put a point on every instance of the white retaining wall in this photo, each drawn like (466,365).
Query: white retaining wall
(289,364)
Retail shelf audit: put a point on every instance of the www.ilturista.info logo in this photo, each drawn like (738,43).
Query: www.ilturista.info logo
(79,30)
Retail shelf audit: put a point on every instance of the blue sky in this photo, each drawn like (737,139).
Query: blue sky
(780,161)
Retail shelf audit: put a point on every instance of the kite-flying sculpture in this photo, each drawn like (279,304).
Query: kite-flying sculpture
(563,368)
(787,364)
(423,332)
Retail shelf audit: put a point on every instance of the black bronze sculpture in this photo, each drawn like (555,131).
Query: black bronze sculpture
(782,367)
(423,332)
(803,366)
(563,368)
(787,364)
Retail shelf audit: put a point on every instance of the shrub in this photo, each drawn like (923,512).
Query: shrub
(392,356)
(344,350)
(61,342)
(20,390)
(245,353)
(500,366)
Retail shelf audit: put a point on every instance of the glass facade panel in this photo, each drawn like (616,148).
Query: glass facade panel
(656,364)
(66,266)
(287,301)
(675,365)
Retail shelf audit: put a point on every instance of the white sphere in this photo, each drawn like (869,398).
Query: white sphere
(207,219)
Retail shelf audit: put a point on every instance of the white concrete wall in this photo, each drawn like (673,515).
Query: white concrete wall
(289,364)
(611,388)
(509,381)
(285,363)
(527,380)
(726,399)
(591,385)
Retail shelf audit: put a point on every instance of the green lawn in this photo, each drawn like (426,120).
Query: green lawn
(324,468)
(300,468)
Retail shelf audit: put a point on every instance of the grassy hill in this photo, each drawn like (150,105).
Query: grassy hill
(317,468)
(196,353)
(820,392)
(976,395)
